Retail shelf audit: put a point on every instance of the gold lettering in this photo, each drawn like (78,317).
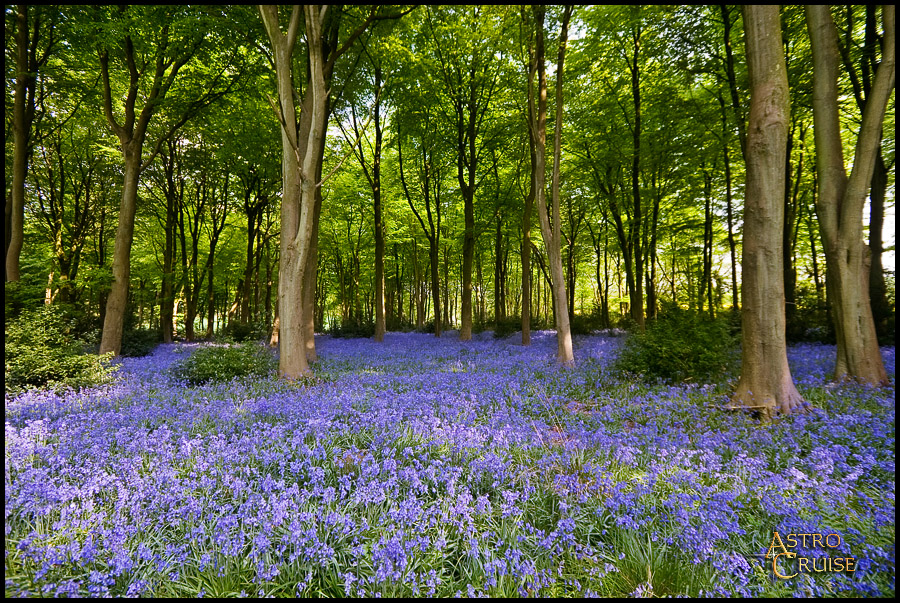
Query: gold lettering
(775,566)
(838,565)
(851,564)
(803,562)
(817,538)
(833,546)
(784,550)
(792,539)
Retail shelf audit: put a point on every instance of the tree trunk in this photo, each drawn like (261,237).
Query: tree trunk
(380,326)
(841,200)
(526,243)
(637,294)
(114,323)
(765,385)
(881,307)
(15,202)
(551,233)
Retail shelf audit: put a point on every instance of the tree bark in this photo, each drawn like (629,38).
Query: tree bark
(551,233)
(765,385)
(132,133)
(841,199)
(24,92)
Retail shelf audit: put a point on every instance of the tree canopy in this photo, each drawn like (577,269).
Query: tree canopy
(162,161)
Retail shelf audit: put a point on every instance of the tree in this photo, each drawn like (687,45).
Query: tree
(551,232)
(469,68)
(765,384)
(155,44)
(32,53)
(303,148)
(841,199)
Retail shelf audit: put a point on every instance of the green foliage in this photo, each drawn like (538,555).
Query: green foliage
(139,342)
(682,345)
(809,321)
(240,332)
(223,363)
(353,328)
(586,324)
(42,351)
(507,326)
(22,294)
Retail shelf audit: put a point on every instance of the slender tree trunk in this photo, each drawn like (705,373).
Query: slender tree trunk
(841,200)
(114,323)
(637,294)
(380,326)
(881,308)
(552,233)
(526,232)
(24,96)
(766,384)
(732,245)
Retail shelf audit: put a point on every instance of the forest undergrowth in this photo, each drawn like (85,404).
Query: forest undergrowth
(424,467)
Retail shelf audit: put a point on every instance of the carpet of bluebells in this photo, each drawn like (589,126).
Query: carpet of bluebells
(426,467)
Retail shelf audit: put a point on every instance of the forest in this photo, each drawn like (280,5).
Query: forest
(412,300)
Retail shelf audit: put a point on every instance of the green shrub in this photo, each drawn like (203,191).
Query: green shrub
(223,363)
(507,326)
(353,328)
(682,345)
(587,324)
(139,342)
(240,332)
(43,351)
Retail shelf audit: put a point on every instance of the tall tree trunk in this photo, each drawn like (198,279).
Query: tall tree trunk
(766,384)
(298,187)
(637,294)
(881,308)
(841,199)
(527,287)
(132,133)
(24,96)
(116,301)
(732,244)
(552,233)
(380,326)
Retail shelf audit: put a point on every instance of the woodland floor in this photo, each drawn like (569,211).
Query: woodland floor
(433,467)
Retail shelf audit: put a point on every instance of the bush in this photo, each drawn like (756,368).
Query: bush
(682,345)
(587,324)
(223,363)
(809,320)
(507,326)
(42,351)
(239,332)
(352,329)
(139,342)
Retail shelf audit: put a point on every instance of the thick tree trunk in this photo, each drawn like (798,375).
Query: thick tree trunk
(298,181)
(841,200)
(765,385)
